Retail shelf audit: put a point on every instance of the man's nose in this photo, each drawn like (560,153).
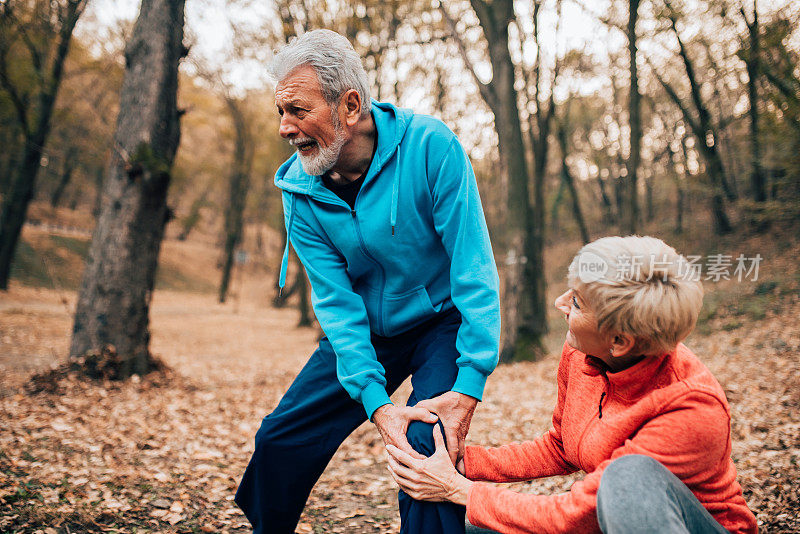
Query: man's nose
(287,128)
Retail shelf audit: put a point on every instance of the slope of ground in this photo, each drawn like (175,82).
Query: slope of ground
(166,455)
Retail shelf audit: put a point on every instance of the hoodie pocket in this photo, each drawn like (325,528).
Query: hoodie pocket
(403,311)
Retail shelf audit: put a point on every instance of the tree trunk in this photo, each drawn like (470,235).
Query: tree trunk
(193,217)
(554,208)
(635,120)
(757,180)
(524,320)
(15,204)
(237,192)
(112,315)
(97,205)
(679,206)
(15,208)
(619,196)
(608,209)
(8,161)
(568,179)
(648,189)
(66,176)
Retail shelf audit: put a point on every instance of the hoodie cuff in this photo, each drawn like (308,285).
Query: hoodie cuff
(470,382)
(373,397)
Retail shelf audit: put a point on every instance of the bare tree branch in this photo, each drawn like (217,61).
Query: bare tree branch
(19,101)
(486,90)
(604,19)
(673,95)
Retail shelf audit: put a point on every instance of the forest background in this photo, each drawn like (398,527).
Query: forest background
(131,390)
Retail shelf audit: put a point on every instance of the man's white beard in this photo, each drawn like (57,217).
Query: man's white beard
(325,158)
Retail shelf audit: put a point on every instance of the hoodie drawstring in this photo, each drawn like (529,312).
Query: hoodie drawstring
(285,260)
(395,188)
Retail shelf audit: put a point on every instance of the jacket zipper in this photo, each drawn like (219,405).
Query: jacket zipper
(366,253)
(600,406)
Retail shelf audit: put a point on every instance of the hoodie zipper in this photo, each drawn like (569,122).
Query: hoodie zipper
(336,201)
(363,246)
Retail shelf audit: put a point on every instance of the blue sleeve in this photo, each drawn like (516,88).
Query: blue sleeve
(474,284)
(340,311)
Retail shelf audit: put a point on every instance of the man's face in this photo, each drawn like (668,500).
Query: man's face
(308,122)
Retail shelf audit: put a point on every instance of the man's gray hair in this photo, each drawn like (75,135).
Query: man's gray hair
(332,57)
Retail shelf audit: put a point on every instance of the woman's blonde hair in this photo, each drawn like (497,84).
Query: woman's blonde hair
(639,286)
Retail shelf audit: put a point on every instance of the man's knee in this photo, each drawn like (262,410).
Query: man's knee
(271,437)
(420,437)
(263,438)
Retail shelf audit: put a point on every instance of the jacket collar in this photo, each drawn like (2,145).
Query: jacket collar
(634,381)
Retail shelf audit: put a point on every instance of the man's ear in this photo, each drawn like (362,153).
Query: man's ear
(352,107)
(622,344)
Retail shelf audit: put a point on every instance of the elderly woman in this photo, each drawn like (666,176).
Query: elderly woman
(636,410)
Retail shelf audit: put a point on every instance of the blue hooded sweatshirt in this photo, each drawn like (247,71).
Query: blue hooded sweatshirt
(415,245)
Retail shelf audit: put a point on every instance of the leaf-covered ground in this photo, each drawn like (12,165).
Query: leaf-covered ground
(165,454)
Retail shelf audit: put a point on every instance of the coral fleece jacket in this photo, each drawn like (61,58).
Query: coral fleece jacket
(670,408)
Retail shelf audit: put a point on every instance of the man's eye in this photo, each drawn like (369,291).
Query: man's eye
(575,302)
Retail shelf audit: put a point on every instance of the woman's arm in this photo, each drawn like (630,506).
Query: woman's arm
(674,438)
(542,457)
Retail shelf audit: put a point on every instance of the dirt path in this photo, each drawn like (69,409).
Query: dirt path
(150,457)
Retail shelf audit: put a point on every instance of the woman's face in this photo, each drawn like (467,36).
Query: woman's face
(583,334)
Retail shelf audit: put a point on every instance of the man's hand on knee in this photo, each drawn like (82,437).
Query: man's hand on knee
(392,422)
(455,412)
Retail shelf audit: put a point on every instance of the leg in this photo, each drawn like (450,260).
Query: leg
(295,443)
(472,529)
(434,370)
(638,494)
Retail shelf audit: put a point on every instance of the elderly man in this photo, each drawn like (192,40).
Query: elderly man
(382,208)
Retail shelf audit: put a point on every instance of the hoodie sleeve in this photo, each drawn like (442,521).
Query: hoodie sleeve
(474,286)
(340,311)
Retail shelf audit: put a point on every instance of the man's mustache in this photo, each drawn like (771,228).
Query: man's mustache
(301,141)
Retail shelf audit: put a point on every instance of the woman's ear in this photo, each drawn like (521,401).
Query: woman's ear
(622,344)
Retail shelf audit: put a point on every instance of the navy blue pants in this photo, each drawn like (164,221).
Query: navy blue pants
(298,439)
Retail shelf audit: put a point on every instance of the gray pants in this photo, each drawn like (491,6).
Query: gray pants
(639,495)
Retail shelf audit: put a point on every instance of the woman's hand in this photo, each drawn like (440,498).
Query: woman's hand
(392,422)
(429,479)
